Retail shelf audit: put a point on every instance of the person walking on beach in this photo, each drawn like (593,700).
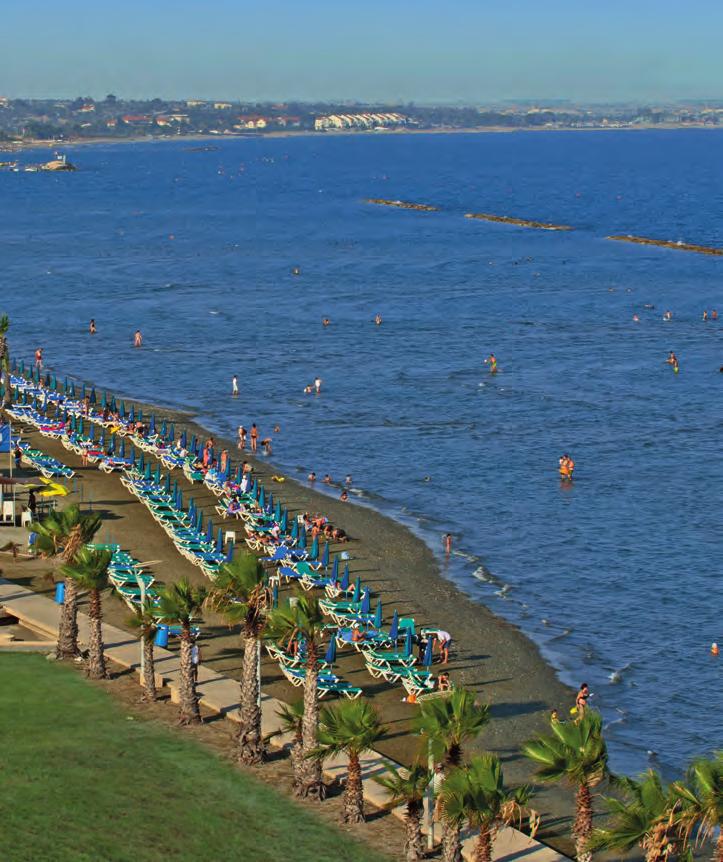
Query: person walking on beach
(447,541)
(234,386)
(91,326)
(39,358)
(241,437)
(138,339)
(254,437)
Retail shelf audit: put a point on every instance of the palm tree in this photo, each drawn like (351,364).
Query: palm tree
(239,593)
(292,717)
(351,727)
(476,793)
(701,797)
(644,818)
(305,619)
(89,571)
(66,532)
(181,602)
(145,620)
(408,789)
(446,723)
(574,752)
(5,360)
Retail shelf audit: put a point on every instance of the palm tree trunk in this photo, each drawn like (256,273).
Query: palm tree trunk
(483,846)
(353,811)
(250,741)
(149,670)
(583,823)
(67,647)
(297,765)
(451,844)
(189,712)
(72,545)
(96,659)
(413,841)
(719,847)
(311,785)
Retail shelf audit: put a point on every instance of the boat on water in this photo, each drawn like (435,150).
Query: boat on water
(59,163)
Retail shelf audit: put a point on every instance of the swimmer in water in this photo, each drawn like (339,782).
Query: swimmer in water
(327,479)
(636,319)
(567,467)
(91,326)
(667,315)
(673,360)
(325,321)
(138,339)
(378,319)
(705,314)
(492,362)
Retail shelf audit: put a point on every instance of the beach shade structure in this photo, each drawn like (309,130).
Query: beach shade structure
(408,643)
(314,553)
(284,521)
(175,487)
(344,585)
(54,383)
(152,426)
(191,508)
(140,415)
(325,556)
(36,375)
(335,569)
(91,433)
(262,499)
(93,398)
(194,444)
(132,414)
(199,521)
(378,615)
(83,393)
(227,471)
(209,531)
(122,452)
(330,656)
(394,628)
(111,447)
(270,504)
(122,410)
(275,596)
(357,589)
(366,602)
(147,473)
(21,367)
(47,379)
(219,540)
(427,658)
(295,530)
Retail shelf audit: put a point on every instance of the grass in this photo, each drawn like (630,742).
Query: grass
(80,781)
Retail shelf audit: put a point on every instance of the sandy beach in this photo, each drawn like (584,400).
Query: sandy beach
(489,656)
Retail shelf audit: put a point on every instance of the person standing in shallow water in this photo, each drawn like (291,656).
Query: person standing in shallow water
(138,339)
(234,386)
(254,437)
(447,542)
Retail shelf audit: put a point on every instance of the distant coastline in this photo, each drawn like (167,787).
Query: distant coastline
(31,143)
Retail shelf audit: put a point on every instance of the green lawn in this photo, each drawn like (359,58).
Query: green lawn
(80,782)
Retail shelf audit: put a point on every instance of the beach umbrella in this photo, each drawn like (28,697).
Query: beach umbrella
(104,400)
(284,522)
(314,553)
(152,426)
(22,366)
(357,589)
(132,414)
(408,643)
(157,475)
(275,596)
(191,508)
(194,444)
(167,483)
(93,398)
(184,440)
(111,446)
(199,521)
(270,504)
(378,615)
(344,585)
(47,378)
(122,452)
(366,602)
(427,660)
(65,386)
(302,538)
(122,410)
(295,529)
(239,476)
(229,552)
(175,487)
(335,569)
(142,462)
(209,531)
(140,415)
(325,556)
(72,388)
(164,429)
(277,512)
(219,540)
(330,656)
(262,499)
(113,405)
(147,474)
(255,489)
(394,628)
(36,375)
(172,432)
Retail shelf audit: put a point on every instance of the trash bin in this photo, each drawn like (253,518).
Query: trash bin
(161,636)
(60,592)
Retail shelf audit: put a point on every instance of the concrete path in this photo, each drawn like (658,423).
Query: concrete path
(221,695)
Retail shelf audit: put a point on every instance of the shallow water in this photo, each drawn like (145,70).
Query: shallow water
(618,577)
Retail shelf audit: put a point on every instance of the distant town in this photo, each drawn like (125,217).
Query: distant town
(66,120)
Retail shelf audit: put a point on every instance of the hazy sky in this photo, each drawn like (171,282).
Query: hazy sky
(444,51)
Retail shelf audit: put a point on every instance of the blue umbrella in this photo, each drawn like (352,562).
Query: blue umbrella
(345,577)
(262,499)
(378,615)
(72,388)
(164,429)
(209,531)
(111,446)
(147,475)
(366,603)
(142,463)
(113,405)
(302,538)
(65,385)
(270,503)
(82,391)
(284,524)
(255,489)
(191,508)
(104,400)
(184,440)
(357,589)
(132,414)
(394,628)
(199,521)
(167,483)
(314,553)
(123,448)
(172,432)
(277,512)
(325,556)
(140,415)
(54,383)
(427,660)
(122,410)
(408,643)
(335,569)
(239,475)
(152,426)
(157,475)
(229,552)
(175,487)
(194,444)
(295,529)
(330,656)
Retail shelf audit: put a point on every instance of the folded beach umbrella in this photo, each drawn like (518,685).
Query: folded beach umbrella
(325,555)
(357,589)
(284,521)
(239,475)
(147,474)
(270,504)
(229,552)
(344,585)
(209,531)
(83,393)
(277,512)
(194,444)
(157,475)
(334,568)
(255,489)
(122,452)
(219,540)
(140,415)
(132,414)
(227,471)
(171,432)
(152,426)
(36,375)
(330,656)
(275,596)
(142,462)
(111,447)
(164,429)
(427,660)
(262,499)
(72,388)
(199,521)
(175,487)
(191,508)
(366,602)
(167,483)
(378,615)
(394,628)
(104,400)
(408,643)
(314,553)
(122,410)
(184,440)
(22,366)
(302,538)
(295,529)
(93,398)
(113,405)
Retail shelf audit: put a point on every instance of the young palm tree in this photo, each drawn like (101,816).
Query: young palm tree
(701,798)
(240,595)
(306,620)
(66,532)
(476,793)
(181,602)
(5,360)
(645,818)
(351,727)
(574,752)
(446,723)
(408,789)
(145,620)
(89,571)
(292,717)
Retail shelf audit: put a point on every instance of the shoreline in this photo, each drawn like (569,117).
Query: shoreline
(492,656)
(28,144)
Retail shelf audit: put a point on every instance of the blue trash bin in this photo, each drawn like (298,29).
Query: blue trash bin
(60,592)
(161,636)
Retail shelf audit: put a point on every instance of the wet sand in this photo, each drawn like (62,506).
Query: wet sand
(489,655)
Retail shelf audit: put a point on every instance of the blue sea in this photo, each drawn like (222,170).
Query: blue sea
(618,577)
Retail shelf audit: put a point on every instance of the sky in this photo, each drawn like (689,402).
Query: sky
(449,51)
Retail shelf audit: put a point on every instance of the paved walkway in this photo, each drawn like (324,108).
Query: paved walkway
(221,695)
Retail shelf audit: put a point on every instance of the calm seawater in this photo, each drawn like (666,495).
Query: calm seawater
(617,578)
